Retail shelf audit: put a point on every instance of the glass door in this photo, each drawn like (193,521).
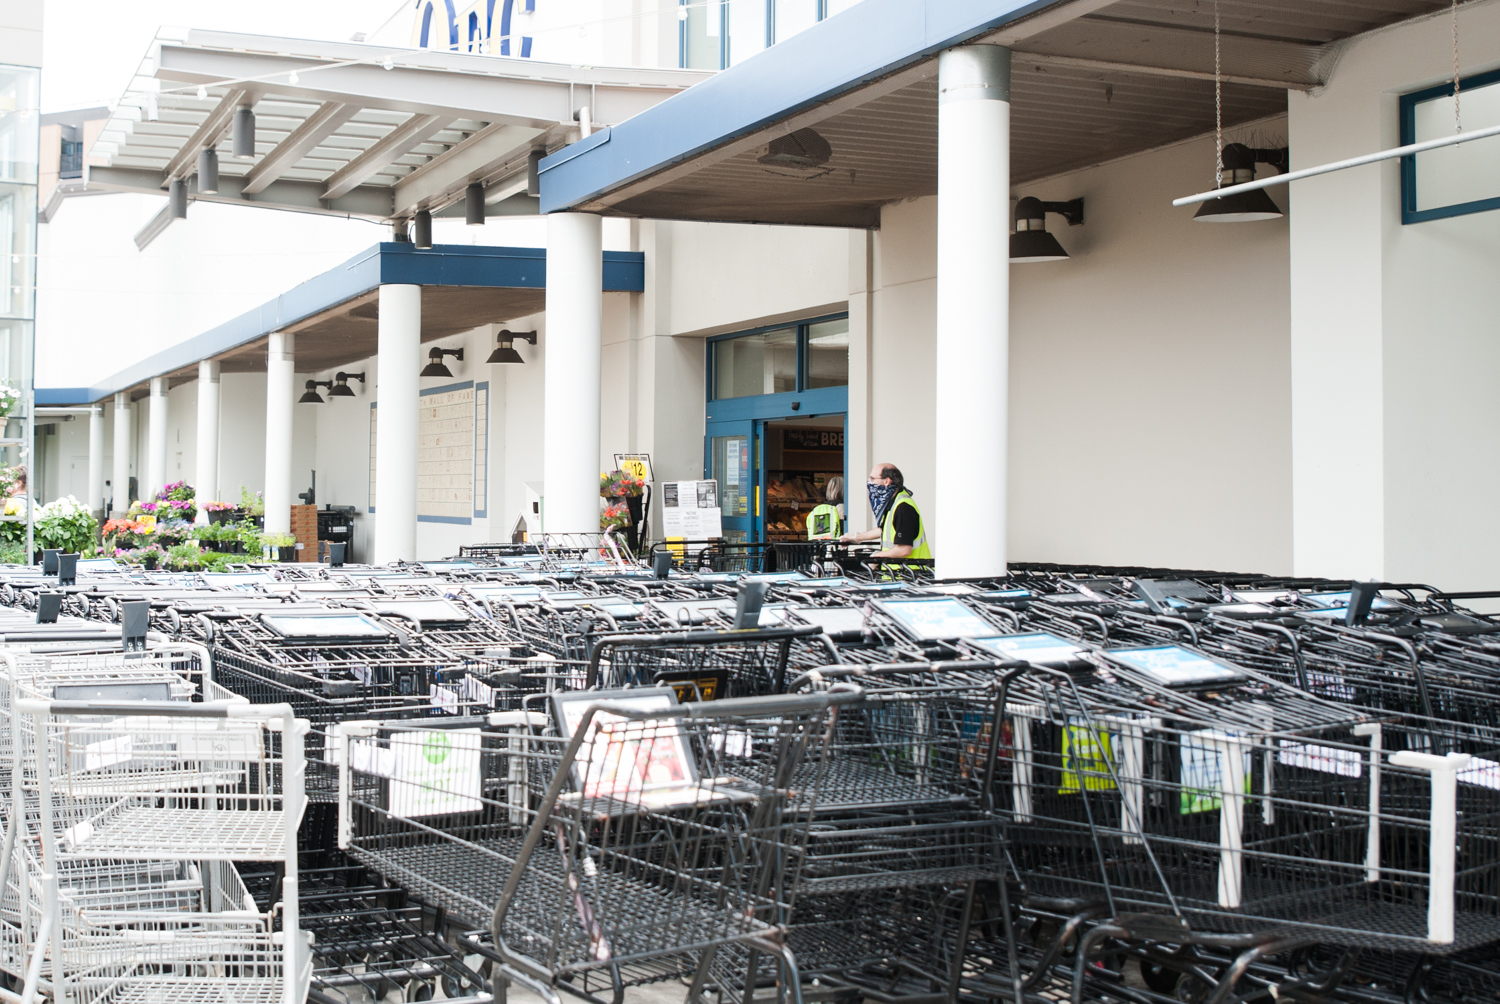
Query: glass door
(733,461)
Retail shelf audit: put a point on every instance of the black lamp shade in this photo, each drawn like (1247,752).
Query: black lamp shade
(311,396)
(474,205)
(1035,245)
(505,353)
(436,370)
(1243,207)
(341,390)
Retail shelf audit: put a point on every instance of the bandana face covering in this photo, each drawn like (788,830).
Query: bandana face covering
(880,498)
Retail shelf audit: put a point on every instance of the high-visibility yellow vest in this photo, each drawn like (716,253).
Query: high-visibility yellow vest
(823,523)
(919,548)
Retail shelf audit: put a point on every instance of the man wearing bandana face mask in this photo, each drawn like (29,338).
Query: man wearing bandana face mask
(898,521)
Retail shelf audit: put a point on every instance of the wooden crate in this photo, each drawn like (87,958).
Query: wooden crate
(305,529)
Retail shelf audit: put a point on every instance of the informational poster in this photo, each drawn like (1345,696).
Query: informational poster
(690,510)
(445,453)
(435,772)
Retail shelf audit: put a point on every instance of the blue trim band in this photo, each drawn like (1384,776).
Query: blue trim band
(870,40)
(445,388)
(465,520)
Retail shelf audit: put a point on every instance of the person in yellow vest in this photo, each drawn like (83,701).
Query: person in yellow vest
(827,520)
(898,521)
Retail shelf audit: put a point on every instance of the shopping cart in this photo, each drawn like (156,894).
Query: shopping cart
(135,782)
(1197,802)
(699,665)
(625,850)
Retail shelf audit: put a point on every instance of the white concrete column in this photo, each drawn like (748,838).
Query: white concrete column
(397,396)
(281,389)
(120,480)
(967,520)
(206,476)
(96,459)
(570,409)
(156,439)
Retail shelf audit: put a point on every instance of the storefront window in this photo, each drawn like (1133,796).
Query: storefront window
(827,354)
(764,363)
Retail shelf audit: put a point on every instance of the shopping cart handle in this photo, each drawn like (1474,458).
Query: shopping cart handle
(1431,761)
(500,719)
(166,709)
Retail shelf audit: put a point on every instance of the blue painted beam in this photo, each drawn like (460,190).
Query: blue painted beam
(385,263)
(870,40)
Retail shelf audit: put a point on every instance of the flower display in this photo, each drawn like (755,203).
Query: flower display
(218,507)
(615,514)
(9,398)
(618,484)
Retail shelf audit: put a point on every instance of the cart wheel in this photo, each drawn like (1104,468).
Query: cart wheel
(458,986)
(1192,990)
(418,990)
(1158,977)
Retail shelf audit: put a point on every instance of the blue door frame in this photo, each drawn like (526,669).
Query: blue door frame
(745,417)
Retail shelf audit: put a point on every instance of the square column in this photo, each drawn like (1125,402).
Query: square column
(973,312)
(156,439)
(281,380)
(570,408)
(120,484)
(206,475)
(397,393)
(96,502)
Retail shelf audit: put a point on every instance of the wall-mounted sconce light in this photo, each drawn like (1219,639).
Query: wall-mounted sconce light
(312,396)
(1031,242)
(341,386)
(505,351)
(435,367)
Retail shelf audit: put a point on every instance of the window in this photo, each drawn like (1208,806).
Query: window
(1451,180)
(827,354)
(713,34)
(764,363)
(782,360)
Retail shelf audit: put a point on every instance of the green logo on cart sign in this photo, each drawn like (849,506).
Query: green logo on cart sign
(435,748)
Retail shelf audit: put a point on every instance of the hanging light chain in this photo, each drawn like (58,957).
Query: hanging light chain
(1458,122)
(1219,108)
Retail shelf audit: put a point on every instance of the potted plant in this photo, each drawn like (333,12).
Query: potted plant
(65,524)
(9,398)
(284,544)
(252,506)
(184,557)
(218,512)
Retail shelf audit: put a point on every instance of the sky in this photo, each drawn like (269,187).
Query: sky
(91,48)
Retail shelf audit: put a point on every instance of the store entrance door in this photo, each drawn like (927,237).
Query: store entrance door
(800,456)
(733,455)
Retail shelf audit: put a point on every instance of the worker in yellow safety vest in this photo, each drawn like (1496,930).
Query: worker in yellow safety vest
(898,521)
(827,520)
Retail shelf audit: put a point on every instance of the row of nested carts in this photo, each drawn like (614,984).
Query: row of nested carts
(536,771)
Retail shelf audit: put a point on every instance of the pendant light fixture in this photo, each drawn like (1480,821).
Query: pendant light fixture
(1031,242)
(341,386)
(421,230)
(242,133)
(474,205)
(208,171)
(1239,163)
(435,367)
(312,396)
(505,352)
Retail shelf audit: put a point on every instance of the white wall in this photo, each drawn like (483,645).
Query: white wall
(1396,363)
(1149,374)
